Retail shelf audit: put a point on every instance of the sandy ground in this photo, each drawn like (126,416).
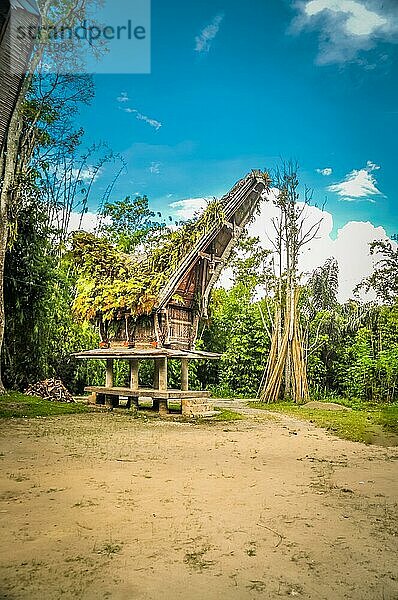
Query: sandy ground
(104,506)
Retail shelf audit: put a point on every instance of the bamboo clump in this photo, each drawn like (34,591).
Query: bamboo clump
(286,361)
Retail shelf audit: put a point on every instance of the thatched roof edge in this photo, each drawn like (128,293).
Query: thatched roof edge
(231,203)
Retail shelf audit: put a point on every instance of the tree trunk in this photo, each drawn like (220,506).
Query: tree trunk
(9,163)
(3,248)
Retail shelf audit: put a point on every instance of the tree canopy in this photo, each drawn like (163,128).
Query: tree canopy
(110,280)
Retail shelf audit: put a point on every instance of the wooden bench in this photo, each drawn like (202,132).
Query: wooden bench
(160,398)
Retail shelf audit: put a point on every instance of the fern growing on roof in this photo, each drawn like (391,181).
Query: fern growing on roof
(110,281)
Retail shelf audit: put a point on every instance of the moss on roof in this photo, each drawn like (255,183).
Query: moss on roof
(110,281)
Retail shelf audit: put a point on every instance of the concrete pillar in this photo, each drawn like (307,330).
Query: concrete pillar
(162,373)
(92,398)
(163,409)
(134,402)
(156,374)
(184,374)
(134,373)
(110,401)
(109,373)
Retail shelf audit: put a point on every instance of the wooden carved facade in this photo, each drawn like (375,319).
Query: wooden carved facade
(175,325)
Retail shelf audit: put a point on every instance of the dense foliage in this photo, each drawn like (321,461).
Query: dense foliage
(384,279)
(41,333)
(237,331)
(129,222)
(352,349)
(110,280)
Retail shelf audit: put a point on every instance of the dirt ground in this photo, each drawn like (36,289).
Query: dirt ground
(105,506)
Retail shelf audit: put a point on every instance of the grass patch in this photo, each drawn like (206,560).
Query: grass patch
(109,549)
(227,415)
(367,423)
(196,560)
(221,417)
(388,418)
(17,405)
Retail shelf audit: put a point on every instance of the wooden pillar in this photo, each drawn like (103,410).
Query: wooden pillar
(162,365)
(184,374)
(109,373)
(134,373)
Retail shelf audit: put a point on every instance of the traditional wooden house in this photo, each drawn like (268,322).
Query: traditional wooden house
(170,330)
(17,18)
(175,324)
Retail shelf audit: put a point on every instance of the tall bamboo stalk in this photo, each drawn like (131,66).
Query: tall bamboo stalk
(286,363)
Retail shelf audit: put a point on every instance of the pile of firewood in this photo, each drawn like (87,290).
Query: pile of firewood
(50,389)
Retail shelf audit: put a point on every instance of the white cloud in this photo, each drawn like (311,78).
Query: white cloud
(350,247)
(123,97)
(358,20)
(325,172)
(372,166)
(89,222)
(152,122)
(188,208)
(207,35)
(87,174)
(358,185)
(347,27)
(155,168)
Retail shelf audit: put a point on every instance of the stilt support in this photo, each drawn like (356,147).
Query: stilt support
(109,373)
(162,370)
(133,373)
(156,374)
(184,374)
(163,408)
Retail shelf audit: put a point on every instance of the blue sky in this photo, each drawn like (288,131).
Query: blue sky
(242,85)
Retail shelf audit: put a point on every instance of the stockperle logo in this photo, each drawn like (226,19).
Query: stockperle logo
(114,38)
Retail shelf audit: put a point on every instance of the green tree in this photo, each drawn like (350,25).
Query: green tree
(236,330)
(43,101)
(286,373)
(131,222)
(323,286)
(41,333)
(384,279)
(251,265)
